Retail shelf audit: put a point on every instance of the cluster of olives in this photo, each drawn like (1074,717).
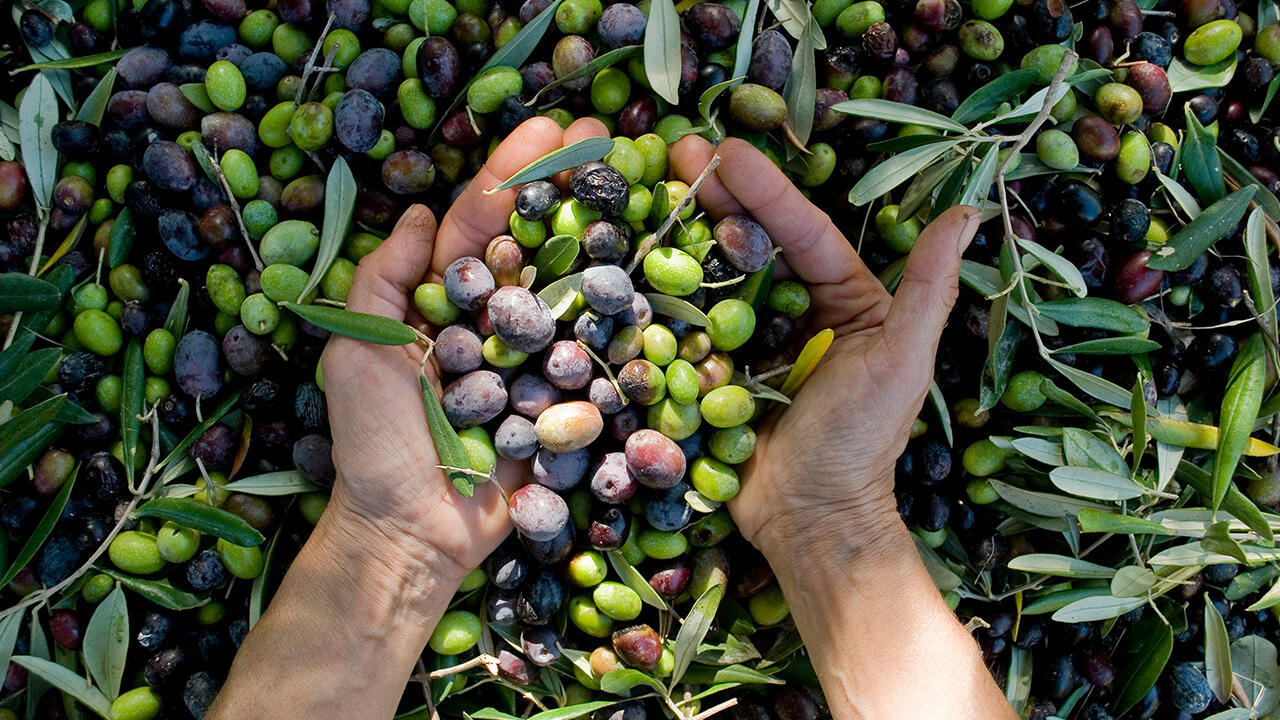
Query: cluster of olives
(632,415)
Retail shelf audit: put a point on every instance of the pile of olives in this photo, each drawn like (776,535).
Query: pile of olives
(181,218)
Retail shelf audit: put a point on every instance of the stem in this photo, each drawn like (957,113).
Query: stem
(311,62)
(235,205)
(688,198)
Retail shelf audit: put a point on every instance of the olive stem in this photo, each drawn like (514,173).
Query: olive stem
(231,198)
(688,198)
(481,659)
(311,61)
(715,709)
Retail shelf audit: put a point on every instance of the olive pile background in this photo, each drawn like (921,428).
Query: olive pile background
(160,302)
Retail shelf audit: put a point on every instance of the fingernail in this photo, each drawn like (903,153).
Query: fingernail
(973,217)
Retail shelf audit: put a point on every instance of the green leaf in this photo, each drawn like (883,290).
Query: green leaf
(1065,399)
(662,52)
(35,540)
(1002,348)
(1084,449)
(1099,521)
(448,445)
(1236,503)
(695,627)
(1184,76)
(1017,686)
(160,592)
(1217,652)
(1057,600)
(987,98)
(706,102)
(257,592)
(10,625)
(1200,234)
(1257,112)
(807,361)
(634,580)
(896,112)
(1199,160)
(1093,483)
(909,142)
(572,711)
(1138,410)
(1100,388)
(25,436)
(1149,645)
(565,158)
(1263,196)
(133,381)
(1101,607)
(1029,165)
(18,383)
(674,307)
(1058,265)
(106,643)
(176,321)
(19,291)
(205,160)
(123,233)
(555,257)
(1110,346)
(39,112)
(339,203)
(1268,600)
(609,59)
(95,106)
(1133,581)
(197,94)
(896,170)
(203,517)
(1180,195)
(1040,450)
(802,84)
(356,325)
(794,16)
(1195,553)
(620,681)
(68,682)
(210,419)
(1060,566)
(979,184)
(746,38)
(559,295)
(944,413)
(273,484)
(77,62)
(1253,661)
(1240,403)
(1040,503)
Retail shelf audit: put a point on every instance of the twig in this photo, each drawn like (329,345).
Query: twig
(715,709)
(688,198)
(488,661)
(311,61)
(231,198)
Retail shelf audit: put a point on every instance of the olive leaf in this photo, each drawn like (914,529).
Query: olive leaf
(19,291)
(39,113)
(706,104)
(123,233)
(565,158)
(896,112)
(1065,399)
(1239,173)
(1099,607)
(794,16)
(1060,566)
(1245,387)
(556,257)
(176,321)
(1055,601)
(64,247)
(807,361)
(1257,112)
(1138,409)
(1029,165)
(59,79)
(896,170)
(662,51)
(1253,661)
(515,51)
(634,580)
(695,627)
(746,38)
(210,419)
(1236,503)
(258,591)
(1100,388)
(10,626)
(133,380)
(1133,581)
(1217,539)
(621,680)
(1084,449)
(206,161)
(204,517)
(272,484)
(1180,195)
(1184,76)
(449,448)
(1217,652)
(944,413)
(68,682)
(980,180)
(674,307)
(1148,645)
(160,592)
(1041,503)
(24,437)
(339,203)
(989,97)
(801,87)
(21,372)
(1110,346)
(1017,685)
(82,61)
(999,365)
(1039,449)
(560,295)
(355,325)
(1199,160)
(907,142)
(572,711)
(35,540)
(95,106)
(600,62)
(1255,247)
(198,95)
(106,643)
(1066,271)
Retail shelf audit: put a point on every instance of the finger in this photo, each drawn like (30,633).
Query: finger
(688,158)
(475,217)
(930,283)
(580,129)
(385,277)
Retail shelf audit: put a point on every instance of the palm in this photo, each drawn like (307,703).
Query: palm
(832,451)
(386,463)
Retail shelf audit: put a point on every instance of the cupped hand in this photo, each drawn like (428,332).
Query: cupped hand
(387,474)
(824,465)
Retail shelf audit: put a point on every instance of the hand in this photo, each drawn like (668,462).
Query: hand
(387,475)
(823,468)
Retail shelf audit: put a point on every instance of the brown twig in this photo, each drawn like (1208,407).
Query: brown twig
(688,198)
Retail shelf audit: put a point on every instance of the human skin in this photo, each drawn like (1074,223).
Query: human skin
(359,603)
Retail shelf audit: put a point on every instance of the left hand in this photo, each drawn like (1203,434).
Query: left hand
(387,476)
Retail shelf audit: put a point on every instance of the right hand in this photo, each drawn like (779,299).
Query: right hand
(823,468)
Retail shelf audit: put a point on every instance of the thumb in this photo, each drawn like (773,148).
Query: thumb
(930,284)
(386,277)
